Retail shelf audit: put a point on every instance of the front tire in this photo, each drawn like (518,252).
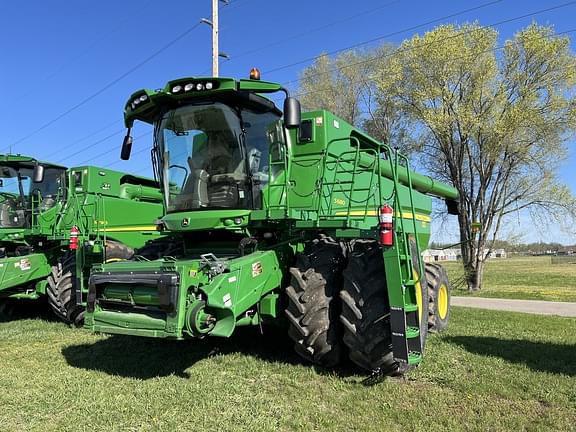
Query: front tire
(313,306)
(63,280)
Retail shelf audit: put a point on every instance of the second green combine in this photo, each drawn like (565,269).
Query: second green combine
(56,222)
(273,216)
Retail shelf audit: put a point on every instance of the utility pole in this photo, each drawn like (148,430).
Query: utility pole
(215,53)
(214,24)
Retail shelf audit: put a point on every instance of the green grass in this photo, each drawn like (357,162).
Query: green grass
(489,371)
(531,278)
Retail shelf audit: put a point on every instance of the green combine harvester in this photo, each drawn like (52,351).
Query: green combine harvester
(56,222)
(303,219)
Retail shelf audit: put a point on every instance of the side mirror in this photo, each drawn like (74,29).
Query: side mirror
(292,113)
(38,174)
(126,147)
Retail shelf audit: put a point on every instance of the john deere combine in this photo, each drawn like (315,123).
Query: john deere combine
(56,222)
(304,218)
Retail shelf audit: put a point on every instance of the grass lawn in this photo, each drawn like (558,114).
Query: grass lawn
(489,371)
(531,278)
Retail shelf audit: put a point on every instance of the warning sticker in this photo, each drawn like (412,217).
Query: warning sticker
(256,268)
(25,264)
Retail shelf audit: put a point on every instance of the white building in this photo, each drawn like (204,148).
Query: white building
(435,255)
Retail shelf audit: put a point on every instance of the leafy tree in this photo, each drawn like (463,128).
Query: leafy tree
(494,124)
(345,86)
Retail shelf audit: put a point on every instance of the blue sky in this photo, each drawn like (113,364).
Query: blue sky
(57,54)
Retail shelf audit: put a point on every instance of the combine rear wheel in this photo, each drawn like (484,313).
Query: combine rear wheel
(313,306)
(62,282)
(366,310)
(439,294)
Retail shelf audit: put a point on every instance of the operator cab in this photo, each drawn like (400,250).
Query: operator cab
(213,138)
(214,156)
(20,194)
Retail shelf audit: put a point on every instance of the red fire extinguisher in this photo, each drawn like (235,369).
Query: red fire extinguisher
(386,226)
(74,238)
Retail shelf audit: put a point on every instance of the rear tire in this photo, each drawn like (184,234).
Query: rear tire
(439,292)
(62,282)
(313,306)
(366,309)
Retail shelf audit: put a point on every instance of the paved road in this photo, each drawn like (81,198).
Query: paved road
(528,306)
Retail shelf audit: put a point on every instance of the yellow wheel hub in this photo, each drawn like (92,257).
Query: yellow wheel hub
(443,301)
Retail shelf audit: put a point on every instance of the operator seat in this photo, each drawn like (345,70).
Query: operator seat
(194,193)
(227,174)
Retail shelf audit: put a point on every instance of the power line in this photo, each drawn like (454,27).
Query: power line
(108,151)
(110,84)
(377,57)
(89,47)
(234,2)
(447,38)
(135,153)
(388,35)
(454,58)
(279,42)
(106,138)
(86,100)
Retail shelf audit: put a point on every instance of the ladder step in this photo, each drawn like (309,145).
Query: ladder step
(412,332)
(410,307)
(414,358)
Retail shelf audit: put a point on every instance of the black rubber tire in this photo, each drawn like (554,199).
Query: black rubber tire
(366,311)
(313,305)
(61,289)
(436,276)
(6,309)
(159,248)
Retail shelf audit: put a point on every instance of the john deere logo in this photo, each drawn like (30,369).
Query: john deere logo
(185,222)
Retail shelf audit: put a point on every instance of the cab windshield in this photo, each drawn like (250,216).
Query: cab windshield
(18,194)
(213,156)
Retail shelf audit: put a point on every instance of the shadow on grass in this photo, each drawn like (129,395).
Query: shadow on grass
(538,356)
(15,310)
(145,358)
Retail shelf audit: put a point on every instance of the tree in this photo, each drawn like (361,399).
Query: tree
(494,124)
(345,86)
